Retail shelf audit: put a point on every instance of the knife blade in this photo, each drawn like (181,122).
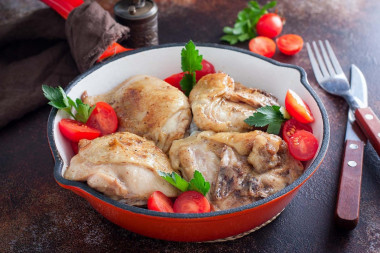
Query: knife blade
(348,202)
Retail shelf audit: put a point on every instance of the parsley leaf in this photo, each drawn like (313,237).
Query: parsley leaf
(244,27)
(267,115)
(197,183)
(175,180)
(191,61)
(61,101)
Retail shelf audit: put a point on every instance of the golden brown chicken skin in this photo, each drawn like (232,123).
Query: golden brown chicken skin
(241,167)
(221,105)
(149,107)
(123,166)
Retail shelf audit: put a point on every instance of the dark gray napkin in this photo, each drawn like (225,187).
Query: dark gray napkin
(44,49)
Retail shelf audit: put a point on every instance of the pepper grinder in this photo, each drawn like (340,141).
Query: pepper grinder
(141,17)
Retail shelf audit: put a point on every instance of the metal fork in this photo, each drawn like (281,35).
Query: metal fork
(329,73)
(331,78)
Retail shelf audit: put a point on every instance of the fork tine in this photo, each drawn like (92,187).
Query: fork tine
(333,58)
(321,63)
(327,59)
(314,64)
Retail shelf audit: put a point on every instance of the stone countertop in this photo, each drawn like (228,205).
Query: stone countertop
(36,215)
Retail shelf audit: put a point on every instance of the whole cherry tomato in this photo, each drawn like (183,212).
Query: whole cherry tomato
(269,25)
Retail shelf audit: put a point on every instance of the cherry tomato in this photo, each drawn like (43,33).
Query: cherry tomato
(74,146)
(290,44)
(291,126)
(263,46)
(191,202)
(175,79)
(298,108)
(269,25)
(75,130)
(160,202)
(303,145)
(207,68)
(103,118)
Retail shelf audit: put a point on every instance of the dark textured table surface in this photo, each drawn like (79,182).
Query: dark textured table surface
(36,215)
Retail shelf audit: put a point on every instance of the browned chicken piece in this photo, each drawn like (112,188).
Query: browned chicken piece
(241,167)
(149,107)
(123,166)
(221,105)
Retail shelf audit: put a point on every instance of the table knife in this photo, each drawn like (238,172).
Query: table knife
(348,202)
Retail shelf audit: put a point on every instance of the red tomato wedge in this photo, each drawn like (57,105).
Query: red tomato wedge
(298,108)
(103,118)
(175,79)
(160,202)
(191,202)
(290,44)
(291,126)
(269,25)
(263,46)
(75,130)
(303,145)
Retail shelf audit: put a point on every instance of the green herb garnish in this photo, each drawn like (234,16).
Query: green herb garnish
(244,28)
(271,116)
(61,101)
(191,61)
(197,183)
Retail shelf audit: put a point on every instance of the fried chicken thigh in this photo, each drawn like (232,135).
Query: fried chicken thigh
(221,105)
(241,167)
(123,166)
(149,107)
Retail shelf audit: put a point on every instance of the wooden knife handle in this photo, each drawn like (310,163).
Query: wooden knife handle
(347,207)
(370,124)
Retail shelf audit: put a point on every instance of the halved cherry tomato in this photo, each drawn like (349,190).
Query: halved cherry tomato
(263,46)
(75,130)
(103,118)
(160,202)
(269,25)
(74,146)
(291,126)
(298,108)
(290,44)
(207,68)
(175,79)
(191,202)
(303,145)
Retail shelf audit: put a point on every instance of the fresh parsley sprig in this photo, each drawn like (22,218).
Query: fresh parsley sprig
(197,183)
(61,101)
(244,27)
(271,116)
(191,61)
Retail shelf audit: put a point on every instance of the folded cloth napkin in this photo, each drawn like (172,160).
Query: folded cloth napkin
(44,49)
